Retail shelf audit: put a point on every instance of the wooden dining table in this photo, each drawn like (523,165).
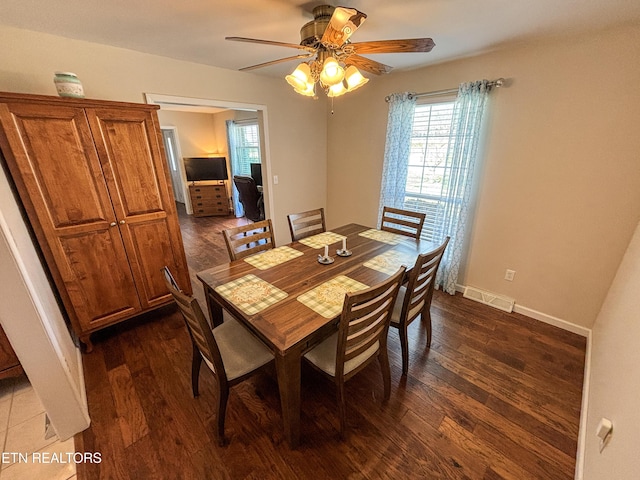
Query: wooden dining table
(286,299)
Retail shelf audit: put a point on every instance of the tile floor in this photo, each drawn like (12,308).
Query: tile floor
(26,453)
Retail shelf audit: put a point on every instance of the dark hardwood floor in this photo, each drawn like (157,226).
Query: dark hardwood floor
(496,397)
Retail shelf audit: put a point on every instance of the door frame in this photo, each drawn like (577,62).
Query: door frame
(201,105)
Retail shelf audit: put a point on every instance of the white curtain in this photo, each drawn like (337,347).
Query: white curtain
(396,151)
(453,209)
(467,121)
(235,165)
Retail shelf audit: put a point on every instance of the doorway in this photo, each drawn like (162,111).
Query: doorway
(172,148)
(200,105)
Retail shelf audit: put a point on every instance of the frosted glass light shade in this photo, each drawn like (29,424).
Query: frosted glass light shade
(300,77)
(332,72)
(308,90)
(354,78)
(337,90)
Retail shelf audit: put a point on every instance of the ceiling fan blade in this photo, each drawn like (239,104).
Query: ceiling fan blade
(274,62)
(343,23)
(269,42)
(368,65)
(394,46)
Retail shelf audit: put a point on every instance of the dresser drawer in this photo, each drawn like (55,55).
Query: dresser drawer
(209,200)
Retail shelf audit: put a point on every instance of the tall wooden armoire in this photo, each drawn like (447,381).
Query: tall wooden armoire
(95,185)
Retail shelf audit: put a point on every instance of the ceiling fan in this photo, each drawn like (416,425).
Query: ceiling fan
(333,60)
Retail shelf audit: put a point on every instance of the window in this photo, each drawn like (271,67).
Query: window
(430,166)
(431,153)
(245,147)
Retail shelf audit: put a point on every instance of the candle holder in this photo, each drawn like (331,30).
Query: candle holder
(325,260)
(343,252)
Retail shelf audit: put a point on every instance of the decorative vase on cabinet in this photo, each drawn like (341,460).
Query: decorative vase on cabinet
(68,85)
(95,185)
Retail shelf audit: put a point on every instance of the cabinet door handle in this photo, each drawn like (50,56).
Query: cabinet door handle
(112,224)
(121,222)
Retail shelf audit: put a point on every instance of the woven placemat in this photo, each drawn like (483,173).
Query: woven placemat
(273,257)
(322,239)
(251,294)
(385,237)
(389,262)
(327,299)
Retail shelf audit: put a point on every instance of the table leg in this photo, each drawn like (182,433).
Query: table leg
(215,309)
(288,371)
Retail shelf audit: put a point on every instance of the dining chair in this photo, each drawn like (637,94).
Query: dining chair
(306,224)
(240,240)
(414,299)
(230,351)
(360,339)
(403,222)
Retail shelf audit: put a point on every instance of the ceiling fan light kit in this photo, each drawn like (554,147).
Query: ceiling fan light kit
(335,61)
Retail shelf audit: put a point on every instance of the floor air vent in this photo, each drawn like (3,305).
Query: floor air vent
(493,299)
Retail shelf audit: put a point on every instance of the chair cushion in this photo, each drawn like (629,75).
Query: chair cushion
(241,351)
(397,307)
(323,356)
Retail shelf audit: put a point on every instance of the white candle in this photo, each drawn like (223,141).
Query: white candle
(326,251)
(344,244)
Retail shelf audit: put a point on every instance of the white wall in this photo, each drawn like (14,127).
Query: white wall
(615,376)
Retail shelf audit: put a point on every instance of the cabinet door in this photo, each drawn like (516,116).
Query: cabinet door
(128,144)
(56,168)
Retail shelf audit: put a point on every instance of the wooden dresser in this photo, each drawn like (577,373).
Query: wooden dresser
(94,182)
(208,200)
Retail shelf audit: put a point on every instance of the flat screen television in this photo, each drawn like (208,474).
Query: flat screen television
(256,173)
(206,168)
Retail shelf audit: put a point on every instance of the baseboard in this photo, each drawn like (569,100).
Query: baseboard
(551,320)
(584,409)
(543,317)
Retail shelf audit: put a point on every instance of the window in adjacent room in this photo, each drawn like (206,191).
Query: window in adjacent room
(244,149)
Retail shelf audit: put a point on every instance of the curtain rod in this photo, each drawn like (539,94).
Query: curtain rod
(493,83)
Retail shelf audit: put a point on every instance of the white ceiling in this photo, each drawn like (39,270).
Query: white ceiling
(194,30)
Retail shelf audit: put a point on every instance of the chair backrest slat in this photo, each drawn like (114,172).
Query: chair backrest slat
(306,224)
(406,222)
(365,320)
(240,240)
(421,283)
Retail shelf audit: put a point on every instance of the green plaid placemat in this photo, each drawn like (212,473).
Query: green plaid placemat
(251,294)
(272,257)
(322,239)
(389,262)
(385,237)
(327,299)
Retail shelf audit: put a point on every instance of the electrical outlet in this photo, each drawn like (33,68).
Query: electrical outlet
(509,275)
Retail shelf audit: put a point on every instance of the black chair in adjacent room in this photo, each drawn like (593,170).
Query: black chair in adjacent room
(250,197)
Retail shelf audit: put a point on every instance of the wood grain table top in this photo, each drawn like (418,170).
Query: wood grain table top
(288,323)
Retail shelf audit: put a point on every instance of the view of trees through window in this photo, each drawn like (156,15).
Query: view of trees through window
(247,148)
(429,167)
